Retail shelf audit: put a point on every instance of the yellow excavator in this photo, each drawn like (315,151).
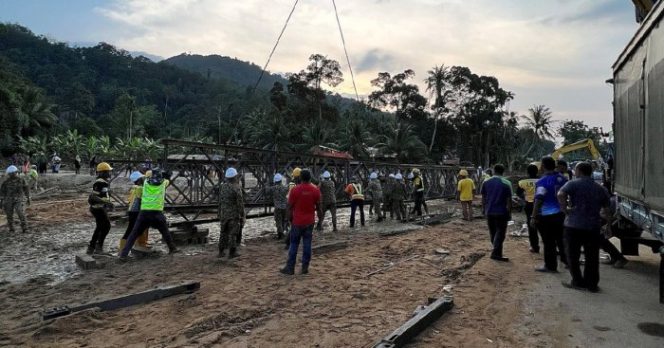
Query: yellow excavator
(583,144)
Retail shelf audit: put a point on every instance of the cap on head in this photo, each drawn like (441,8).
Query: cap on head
(373,175)
(230,173)
(135,176)
(326,175)
(463,172)
(398,176)
(12,169)
(296,172)
(277,178)
(104,167)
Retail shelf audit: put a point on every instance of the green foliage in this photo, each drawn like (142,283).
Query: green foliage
(573,131)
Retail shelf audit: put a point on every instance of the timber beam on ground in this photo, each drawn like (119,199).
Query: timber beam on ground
(198,170)
(409,330)
(125,301)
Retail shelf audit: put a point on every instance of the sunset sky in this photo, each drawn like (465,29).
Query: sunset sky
(552,52)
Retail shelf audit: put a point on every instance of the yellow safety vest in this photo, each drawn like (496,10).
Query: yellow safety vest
(153,196)
(418,180)
(358,192)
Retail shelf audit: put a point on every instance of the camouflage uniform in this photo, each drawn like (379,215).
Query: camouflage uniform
(231,213)
(376,196)
(387,197)
(328,202)
(11,195)
(398,196)
(278,194)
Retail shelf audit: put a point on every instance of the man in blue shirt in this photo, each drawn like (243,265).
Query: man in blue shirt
(497,203)
(583,225)
(548,217)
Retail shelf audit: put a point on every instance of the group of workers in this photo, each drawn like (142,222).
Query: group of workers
(569,210)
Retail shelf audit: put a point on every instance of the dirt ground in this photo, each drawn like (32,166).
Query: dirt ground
(247,303)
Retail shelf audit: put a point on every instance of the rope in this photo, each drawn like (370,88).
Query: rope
(343,41)
(275,45)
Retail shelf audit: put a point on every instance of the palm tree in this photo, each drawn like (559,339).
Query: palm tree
(267,131)
(354,137)
(316,135)
(73,142)
(403,143)
(436,83)
(540,121)
(38,114)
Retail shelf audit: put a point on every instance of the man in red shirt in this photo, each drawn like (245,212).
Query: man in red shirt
(303,201)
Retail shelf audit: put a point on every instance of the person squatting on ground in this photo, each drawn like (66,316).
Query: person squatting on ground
(231,214)
(497,203)
(278,193)
(133,208)
(376,191)
(152,212)
(617,259)
(547,216)
(526,192)
(582,200)
(303,203)
(354,191)
(328,201)
(100,202)
(12,192)
(398,196)
(465,190)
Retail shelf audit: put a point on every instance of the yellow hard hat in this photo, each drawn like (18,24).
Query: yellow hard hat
(104,167)
(463,172)
(296,172)
(148,174)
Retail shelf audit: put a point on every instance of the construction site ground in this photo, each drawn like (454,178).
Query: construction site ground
(351,298)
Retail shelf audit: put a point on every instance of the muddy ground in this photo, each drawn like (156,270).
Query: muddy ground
(247,303)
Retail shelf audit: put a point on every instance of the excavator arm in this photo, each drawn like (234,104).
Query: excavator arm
(583,144)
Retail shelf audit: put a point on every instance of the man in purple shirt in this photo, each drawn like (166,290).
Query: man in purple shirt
(497,203)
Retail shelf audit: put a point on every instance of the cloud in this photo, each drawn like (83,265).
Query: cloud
(560,48)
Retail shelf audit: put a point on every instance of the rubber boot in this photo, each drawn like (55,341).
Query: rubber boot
(90,250)
(287,271)
(305,269)
(172,249)
(232,253)
(142,240)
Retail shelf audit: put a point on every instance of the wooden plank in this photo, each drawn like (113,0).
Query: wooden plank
(125,301)
(409,330)
(328,247)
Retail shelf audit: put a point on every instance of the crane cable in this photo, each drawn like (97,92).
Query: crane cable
(343,42)
(283,29)
(275,45)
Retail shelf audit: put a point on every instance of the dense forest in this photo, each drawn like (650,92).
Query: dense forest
(94,100)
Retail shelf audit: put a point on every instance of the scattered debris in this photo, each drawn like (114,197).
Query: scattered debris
(392,264)
(328,247)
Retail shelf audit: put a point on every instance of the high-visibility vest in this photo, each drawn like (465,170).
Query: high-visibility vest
(153,196)
(421,182)
(357,188)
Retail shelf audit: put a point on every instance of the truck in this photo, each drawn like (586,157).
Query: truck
(638,126)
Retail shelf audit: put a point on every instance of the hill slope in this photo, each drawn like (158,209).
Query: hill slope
(222,67)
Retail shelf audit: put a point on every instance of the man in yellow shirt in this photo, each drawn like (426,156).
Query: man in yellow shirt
(466,187)
(526,191)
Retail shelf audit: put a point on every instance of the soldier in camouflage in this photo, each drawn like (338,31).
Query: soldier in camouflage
(12,192)
(328,201)
(376,191)
(231,214)
(399,194)
(278,193)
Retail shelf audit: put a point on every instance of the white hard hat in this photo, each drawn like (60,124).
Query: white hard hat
(391,176)
(398,176)
(373,176)
(135,176)
(231,173)
(278,177)
(12,169)
(411,175)
(326,175)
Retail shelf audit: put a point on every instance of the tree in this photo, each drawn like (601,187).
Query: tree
(308,83)
(436,82)
(354,137)
(267,131)
(573,131)
(403,143)
(394,93)
(540,121)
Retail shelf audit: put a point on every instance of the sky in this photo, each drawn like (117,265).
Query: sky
(552,52)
